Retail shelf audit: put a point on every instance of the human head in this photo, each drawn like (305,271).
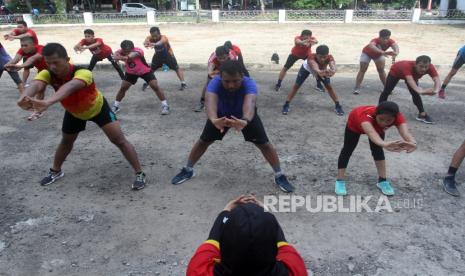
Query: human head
(384,35)
(386,113)
(322,52)
(88,35)
(249,241)
(21,26)
(127,46)
(422,64)
(221,54)
(231,75)
(155,32)
(56,57)
(306,34)
(27,45)
(228,45)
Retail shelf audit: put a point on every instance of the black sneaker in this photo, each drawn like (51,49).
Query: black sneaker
(139,183)
(51,177)
(285,109)
(183,86)
(182,176)
(284,184)
(338,110)
(425,119)
(277,87)
(450,186)
(144,86)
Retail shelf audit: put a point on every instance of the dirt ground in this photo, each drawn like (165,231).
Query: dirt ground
(91,223)
(194,43)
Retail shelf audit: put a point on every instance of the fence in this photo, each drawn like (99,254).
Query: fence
(281,16)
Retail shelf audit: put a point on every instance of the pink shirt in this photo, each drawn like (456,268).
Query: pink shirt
(136,66)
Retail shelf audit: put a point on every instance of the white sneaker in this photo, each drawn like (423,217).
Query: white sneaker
(165,110)
(115,109)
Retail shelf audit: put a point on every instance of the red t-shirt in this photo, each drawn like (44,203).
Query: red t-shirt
(367,114)
(213,60)
(102,51)
(30,32)
(404,68)
(39,64)
(301,51)
(374,55)
(207,255)
(236,50)
(323,65)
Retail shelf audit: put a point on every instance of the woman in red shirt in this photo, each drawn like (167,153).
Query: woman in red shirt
(373,121)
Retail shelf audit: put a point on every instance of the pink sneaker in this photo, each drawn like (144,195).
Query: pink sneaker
(442,94)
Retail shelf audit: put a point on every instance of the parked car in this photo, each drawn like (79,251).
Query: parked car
(135,8)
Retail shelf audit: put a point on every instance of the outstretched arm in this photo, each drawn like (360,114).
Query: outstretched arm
(35,87)
(408,137)
(413,84)
(375,138)
(64,91)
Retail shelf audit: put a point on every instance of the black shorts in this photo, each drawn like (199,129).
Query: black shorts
(169,60)
(73,125)
(291,59)
(254,132)
(458,62)
(147,77)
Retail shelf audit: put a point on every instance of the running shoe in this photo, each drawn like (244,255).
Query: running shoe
(450,186)
(200,107)
(51,177)
(165,109)
(144,86)
(182,176)
(340,188)
(385,188)
(319,87)
(338,110)
(140,181)
(277,87)
(356,91)
(183,86)
(442,94)
(115,109)
(425,119)
(284,184)
(285,109)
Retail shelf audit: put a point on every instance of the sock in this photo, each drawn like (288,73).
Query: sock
(452,171)
(338,179)
(443,86)
(189,165)
(287,102)
(165,102)
(381,179)
(202,100)
(116,103)
(279,82)
(141,172)
(277,171)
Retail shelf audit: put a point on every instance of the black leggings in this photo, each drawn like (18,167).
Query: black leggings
(94,60)
(391,83)
(350,143)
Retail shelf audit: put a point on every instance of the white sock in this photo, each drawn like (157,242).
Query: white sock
(165,102)
(116,103)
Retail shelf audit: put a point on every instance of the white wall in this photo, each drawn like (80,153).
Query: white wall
(461,5)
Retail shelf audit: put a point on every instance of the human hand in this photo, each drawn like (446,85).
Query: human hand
(243,199)
(220,123)
(39,105)
(237,124)
(24,102)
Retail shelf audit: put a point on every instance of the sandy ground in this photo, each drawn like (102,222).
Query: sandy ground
(193,43)
(91,223)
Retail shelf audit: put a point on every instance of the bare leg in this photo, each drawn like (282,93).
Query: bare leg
(380,68)
(458,157)
(158,91)
(449,76)
(341,173)
(26,73)
(63,150)
(122,90)
(116,136)
(282,74)
(180,74)
(331,92)
(270,154)
(293,92)
(199,148)
(361,74)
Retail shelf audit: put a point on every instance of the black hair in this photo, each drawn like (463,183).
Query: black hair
(231,67)
(89,31)
(322,50)
(21,22)
(220,51)
(227,45)
(423,59)
(54,48)
(27,39)
(384,33)
(306,32)
(155,30)
(127,44)
(388,108)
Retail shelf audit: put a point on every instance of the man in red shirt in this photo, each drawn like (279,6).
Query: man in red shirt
(376,50)
(245,240)
(237,51)
(373,121)
(411,72)
(302,48)
(99,50)
(220,55)
(323,67)
(32,56)
(19,32)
